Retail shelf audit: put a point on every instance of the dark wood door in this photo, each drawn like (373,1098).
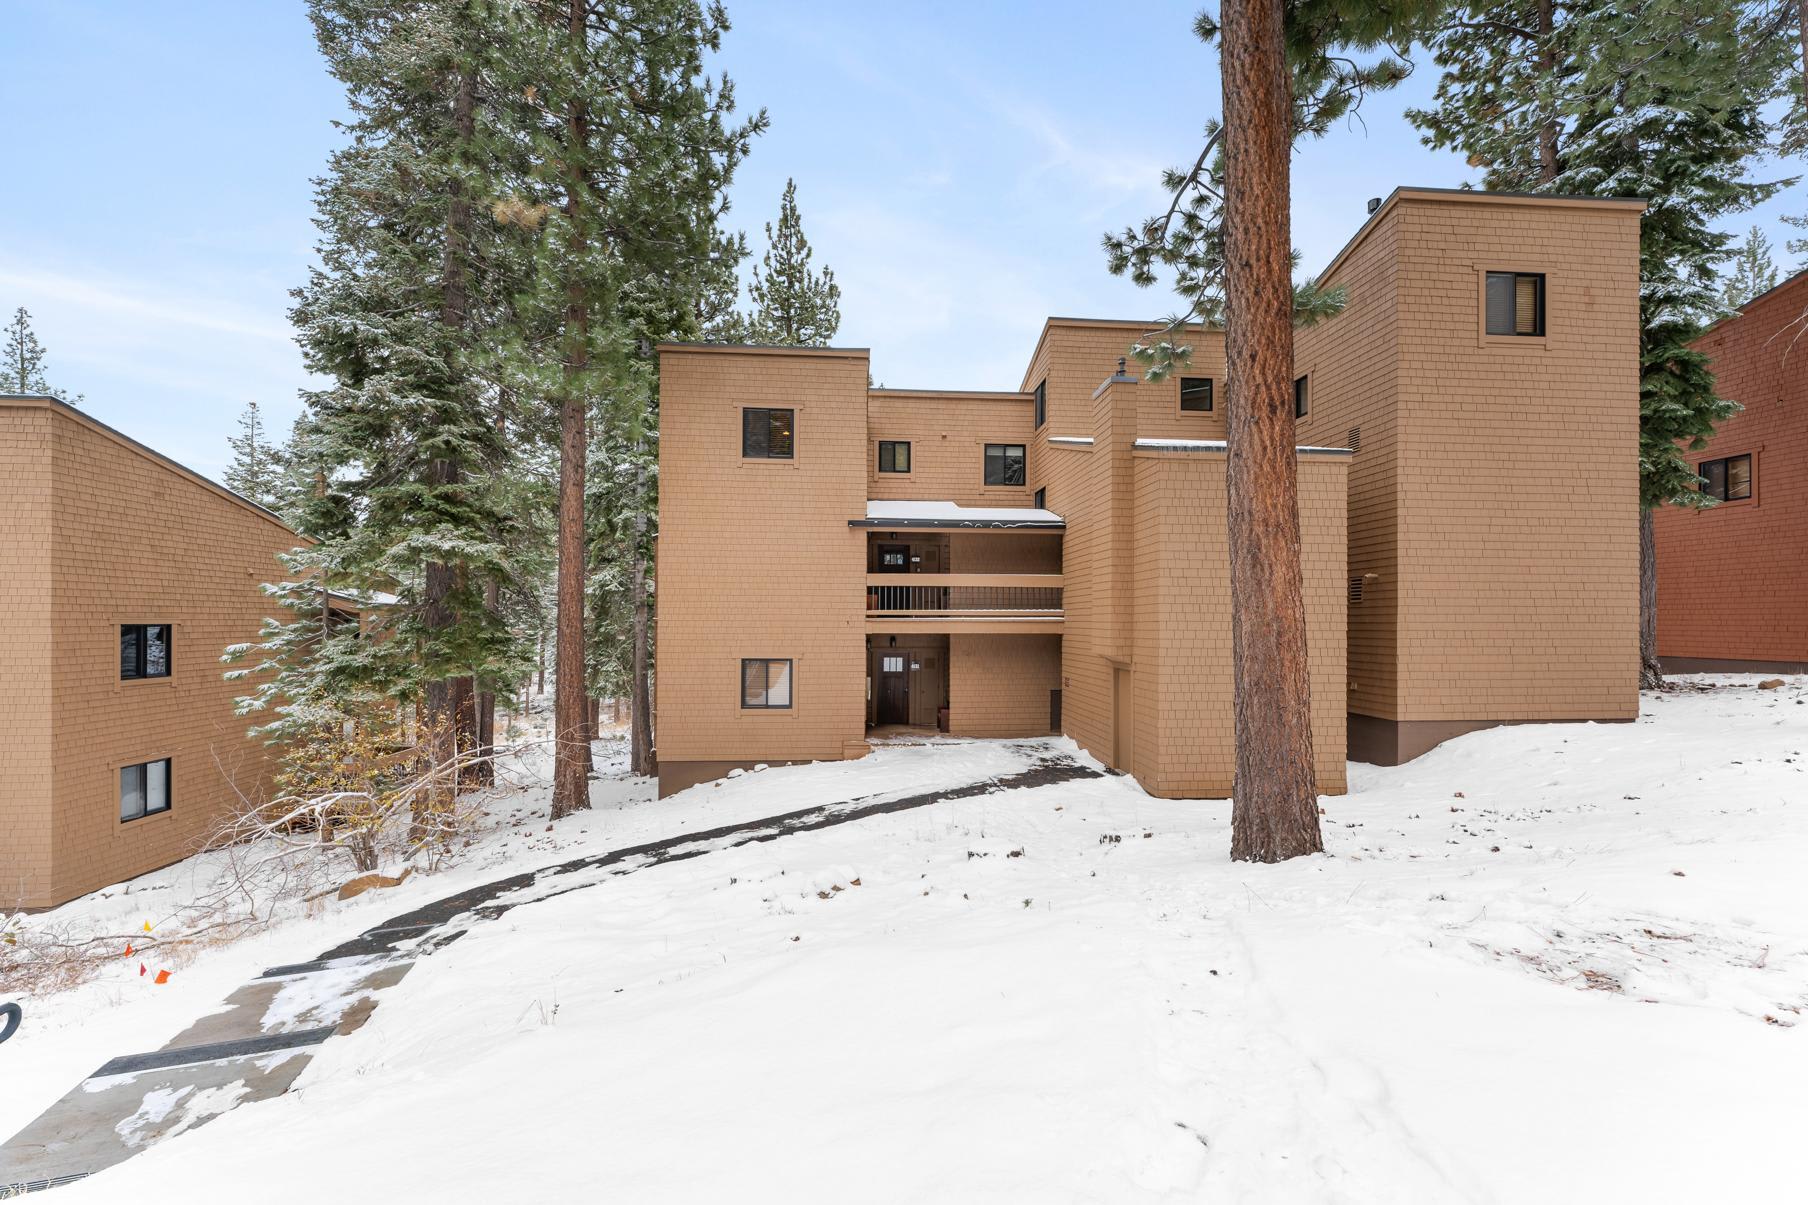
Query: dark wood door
(894,558)
(894,689)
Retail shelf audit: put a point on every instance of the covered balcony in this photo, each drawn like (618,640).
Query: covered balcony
(940,567)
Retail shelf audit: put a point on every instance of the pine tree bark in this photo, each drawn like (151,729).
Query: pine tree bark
(1547,61)
(451,715)
(1651,671)
(570,788)
(1274,812)
(640,736)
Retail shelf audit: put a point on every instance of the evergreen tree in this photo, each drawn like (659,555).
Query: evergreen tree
(719,316)
(1287,70)
(1752,272)
(793,305)
(256,468)
(1658,101)
(630,194)
(22,362)
(406,431)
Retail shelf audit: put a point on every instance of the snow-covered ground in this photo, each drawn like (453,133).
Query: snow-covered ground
(1542,963)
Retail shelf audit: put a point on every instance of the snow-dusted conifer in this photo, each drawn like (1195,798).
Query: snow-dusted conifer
(256,469)
(1752,272)
(22,362)
(793,304)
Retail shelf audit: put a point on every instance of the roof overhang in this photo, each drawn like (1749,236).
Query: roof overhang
(949,516)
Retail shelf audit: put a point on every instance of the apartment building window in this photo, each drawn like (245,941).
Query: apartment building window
(894,456)
(1728,479)
(765,683)
(1196,393)
(767,434)
(1301,399)
(1041,404)
(144,789)
(144,650)
(1004,464)
(1042,498)
(1515,303)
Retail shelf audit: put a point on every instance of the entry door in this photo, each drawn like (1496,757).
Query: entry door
(894,689)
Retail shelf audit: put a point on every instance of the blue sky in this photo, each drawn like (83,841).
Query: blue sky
(955,164)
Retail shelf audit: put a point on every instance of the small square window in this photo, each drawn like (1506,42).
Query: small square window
(1514,303)
(1196,393)
(1041,404)
(1300,399)
(765,683)
(144,650)
(1004,464)
(767,434)
(1728,479)
(894,456)
(144,789)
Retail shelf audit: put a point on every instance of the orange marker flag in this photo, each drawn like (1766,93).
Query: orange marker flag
(162,977)
(128,952)
(141,970)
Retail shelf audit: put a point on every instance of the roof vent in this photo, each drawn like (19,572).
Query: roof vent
(1355,444)
(1120,366)
(1356,589)
(1374,204)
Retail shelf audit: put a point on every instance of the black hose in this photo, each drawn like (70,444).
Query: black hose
(10,1016)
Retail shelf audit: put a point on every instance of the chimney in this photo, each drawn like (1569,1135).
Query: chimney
(1374,204)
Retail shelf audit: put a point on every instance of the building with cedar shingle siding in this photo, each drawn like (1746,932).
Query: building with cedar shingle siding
(839,563)
(124,576)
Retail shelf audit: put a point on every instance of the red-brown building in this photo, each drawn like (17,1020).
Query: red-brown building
(1732,579)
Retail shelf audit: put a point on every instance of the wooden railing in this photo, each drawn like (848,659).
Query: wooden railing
(973,595)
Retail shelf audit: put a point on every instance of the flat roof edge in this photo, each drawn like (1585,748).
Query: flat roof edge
(768,349)
(993,395)
(900,524)
(1473,196)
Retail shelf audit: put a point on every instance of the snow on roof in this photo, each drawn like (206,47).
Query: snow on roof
(1218,445)
(1084,441)
(1182,445)
(949,514)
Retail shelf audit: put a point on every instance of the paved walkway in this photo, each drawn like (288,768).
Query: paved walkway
(269,1029)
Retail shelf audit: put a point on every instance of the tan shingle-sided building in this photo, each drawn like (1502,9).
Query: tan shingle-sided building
(123,577)
(836,560)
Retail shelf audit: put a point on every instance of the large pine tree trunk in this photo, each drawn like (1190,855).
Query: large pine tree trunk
(571,713)
(640,713)
(641,707)
(1651,672)
(1547,62)
(484,771)
(1275,808)
(451,714)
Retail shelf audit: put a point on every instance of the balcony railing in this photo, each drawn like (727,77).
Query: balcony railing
(964,595)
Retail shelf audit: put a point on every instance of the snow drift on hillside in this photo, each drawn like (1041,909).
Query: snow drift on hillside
(1542,963)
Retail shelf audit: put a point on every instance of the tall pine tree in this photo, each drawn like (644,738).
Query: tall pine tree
(1287,70)
(793,304)
(1752,272)
(626,192)
(22,362)
(256,468)
(409,269)
(1657,101)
